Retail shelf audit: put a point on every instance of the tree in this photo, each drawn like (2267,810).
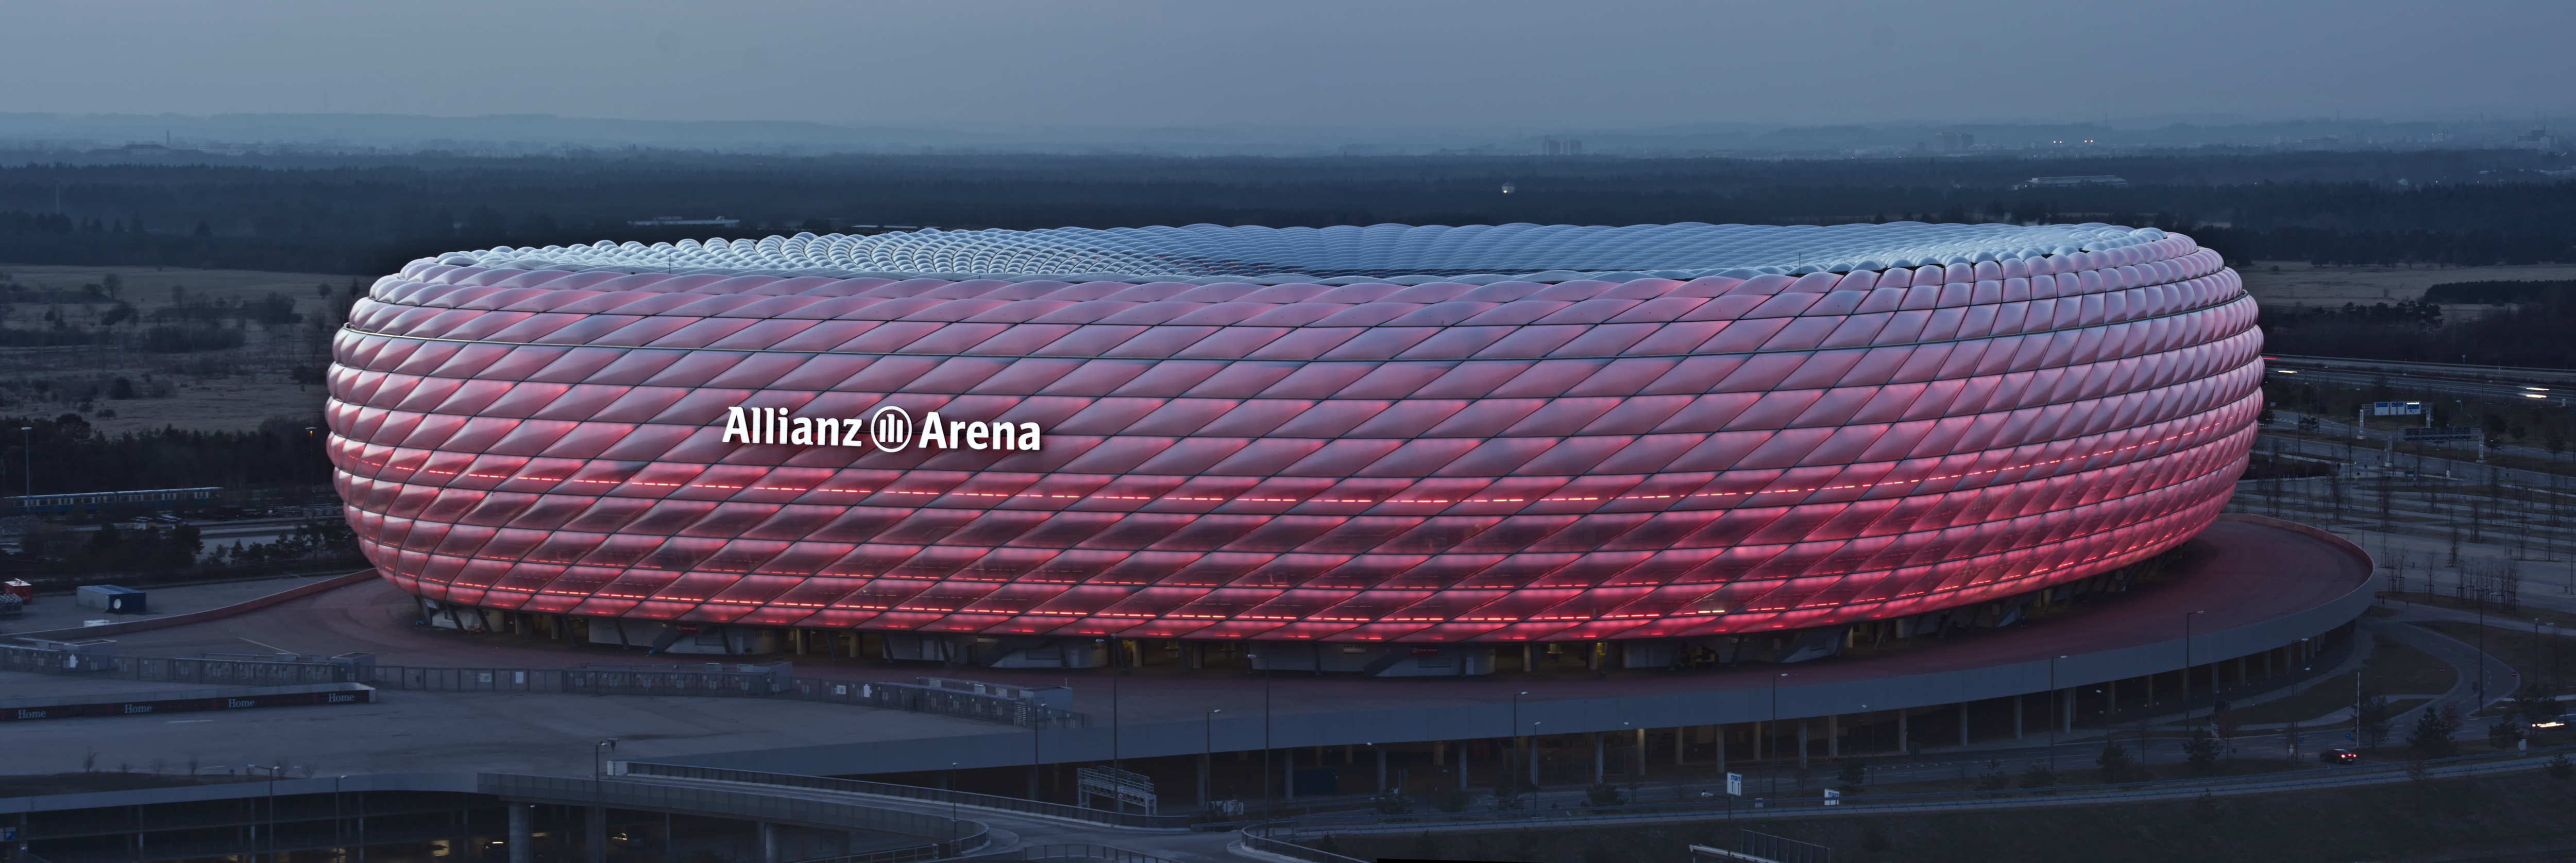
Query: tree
(1449,799)
(2374,721)
(2203,750)
(2560,767)
(1604,794)
(1393,803)
(2038,776)
(1994,779)
(1852,773)
(2116,764)
(2504,734)
(2433,732)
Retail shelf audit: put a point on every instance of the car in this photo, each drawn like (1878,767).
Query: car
(2339,756)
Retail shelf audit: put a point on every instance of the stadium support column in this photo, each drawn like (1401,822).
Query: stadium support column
(594,828)
(769,842)
(1904,737)
(1721,750)
(1802,744)
(1600,752)
(1834,736)
(522,842)
(2021,704)
(1963,723)
(1381,768)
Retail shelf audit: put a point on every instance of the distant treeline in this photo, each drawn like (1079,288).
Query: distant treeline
(69,455)
(367,215)
(2534,335)
(2500,292)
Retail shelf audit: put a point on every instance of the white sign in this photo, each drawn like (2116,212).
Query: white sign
(1833,797)
(1735,785)
(888,428)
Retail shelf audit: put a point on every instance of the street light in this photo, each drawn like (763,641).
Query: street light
(2186,665)
(1772,784)
(1114,659)
(1516,730)
(952,805)
(1533,761)
(1266,789)
(2052,713)
(1207,753)
(596,768)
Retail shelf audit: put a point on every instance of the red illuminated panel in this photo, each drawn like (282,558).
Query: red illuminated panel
(1434,462)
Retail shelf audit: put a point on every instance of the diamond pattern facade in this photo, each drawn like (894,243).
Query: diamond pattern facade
(1609,458)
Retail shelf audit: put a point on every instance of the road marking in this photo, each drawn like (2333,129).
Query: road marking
(270,646)
(178,721)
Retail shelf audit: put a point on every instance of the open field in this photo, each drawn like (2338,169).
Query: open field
(2283,283)
(2392,669)
(227,389)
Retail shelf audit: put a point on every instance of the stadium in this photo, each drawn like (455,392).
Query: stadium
(1385,449)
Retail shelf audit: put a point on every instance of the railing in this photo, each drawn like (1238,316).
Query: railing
(2339,777)
(966,835)
(905,792)
(1256,838)
(576,681)
(1080,852)
(932,699)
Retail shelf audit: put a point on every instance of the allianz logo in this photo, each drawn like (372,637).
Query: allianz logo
(888,428)
(138,708)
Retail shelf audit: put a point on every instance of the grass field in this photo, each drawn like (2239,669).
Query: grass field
(2298,282)
(221,390)
(2392,669)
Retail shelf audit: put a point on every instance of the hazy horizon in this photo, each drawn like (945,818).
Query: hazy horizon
(1511,66)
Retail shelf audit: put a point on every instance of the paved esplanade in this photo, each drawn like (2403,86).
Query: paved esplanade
(2258,583)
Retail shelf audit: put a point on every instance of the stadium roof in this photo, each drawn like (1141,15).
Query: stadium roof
(1404,254)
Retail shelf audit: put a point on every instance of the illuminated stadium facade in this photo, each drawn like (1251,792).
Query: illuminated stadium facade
(1003,446)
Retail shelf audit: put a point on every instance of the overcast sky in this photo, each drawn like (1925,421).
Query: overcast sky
(1218,63)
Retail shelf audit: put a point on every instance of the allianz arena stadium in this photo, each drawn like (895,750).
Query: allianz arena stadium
(1445,437)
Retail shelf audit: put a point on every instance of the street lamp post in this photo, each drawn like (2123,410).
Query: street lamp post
(1772,783)
(1266,785)
(2186,665)
(1207,752)
(1533,761)
(596,767)
(2052,713)
(27,449)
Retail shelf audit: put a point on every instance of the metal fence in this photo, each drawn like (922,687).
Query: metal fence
(1102,853)
(174,669)
(1257,838)
(2164,789)
(904,792)
(933,699)
(1780,848)
(963,835)
(568,681)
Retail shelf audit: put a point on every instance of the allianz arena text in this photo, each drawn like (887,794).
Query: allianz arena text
(1445,437)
